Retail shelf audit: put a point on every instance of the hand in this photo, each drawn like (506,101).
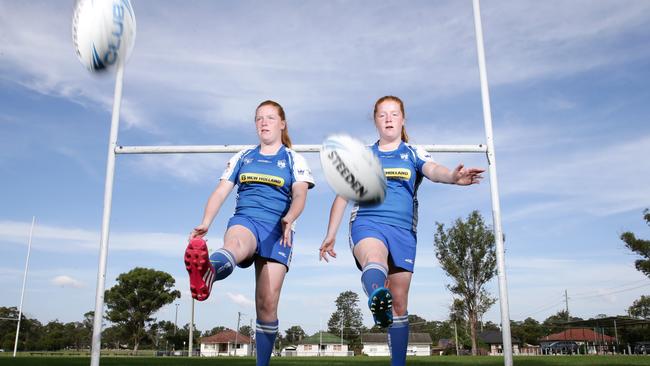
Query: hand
(327,248)
(466,177)
(199,231)
(287,222)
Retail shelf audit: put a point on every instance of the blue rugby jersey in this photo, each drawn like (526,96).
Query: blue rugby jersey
(264,181)
(403,171)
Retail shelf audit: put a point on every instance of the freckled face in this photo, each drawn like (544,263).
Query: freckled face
(268,124)
(389,120)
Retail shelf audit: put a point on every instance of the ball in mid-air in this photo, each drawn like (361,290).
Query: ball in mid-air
(103,32)
(352,170)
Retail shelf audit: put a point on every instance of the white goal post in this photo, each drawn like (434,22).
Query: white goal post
(487,148)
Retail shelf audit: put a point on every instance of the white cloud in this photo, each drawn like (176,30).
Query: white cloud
(64,239)
(66,281)
(599,180)
(240,299)
(203,73)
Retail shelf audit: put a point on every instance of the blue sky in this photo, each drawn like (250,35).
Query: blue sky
(569,85)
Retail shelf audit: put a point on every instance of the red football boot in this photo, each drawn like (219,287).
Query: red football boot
(197,263)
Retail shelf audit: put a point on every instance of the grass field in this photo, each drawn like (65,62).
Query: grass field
(333,361)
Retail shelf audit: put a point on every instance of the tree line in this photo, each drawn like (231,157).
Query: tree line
(466,252)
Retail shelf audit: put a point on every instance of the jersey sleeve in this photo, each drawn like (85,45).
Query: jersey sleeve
(232,168)
(301,171)
(421,157)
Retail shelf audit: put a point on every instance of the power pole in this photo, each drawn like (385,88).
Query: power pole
(456,335)
(566,300)
(191,340)
(22,294)
(237,330)
(176,319)
(250,339)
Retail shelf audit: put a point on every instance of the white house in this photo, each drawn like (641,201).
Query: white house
(320,344)
(226,343)
(494,340)
(376,344)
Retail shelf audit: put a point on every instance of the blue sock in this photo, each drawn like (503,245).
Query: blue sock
(398,338)
(373,277)
(265,340)
(223,262)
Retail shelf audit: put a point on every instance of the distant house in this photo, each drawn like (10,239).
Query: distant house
(494,340)
(223,344)
(320,344)
(586,338)
(376,344)
(444,345)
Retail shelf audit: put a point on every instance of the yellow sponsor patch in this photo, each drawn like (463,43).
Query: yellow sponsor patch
(261,178)
(397,173)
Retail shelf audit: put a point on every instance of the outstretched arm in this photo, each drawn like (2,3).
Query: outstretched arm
(460,175)
(336,214)
(212,207)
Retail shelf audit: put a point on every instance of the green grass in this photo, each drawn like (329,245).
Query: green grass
(331,361)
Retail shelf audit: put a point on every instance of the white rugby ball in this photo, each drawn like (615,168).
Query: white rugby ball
(103,32)
(352,170)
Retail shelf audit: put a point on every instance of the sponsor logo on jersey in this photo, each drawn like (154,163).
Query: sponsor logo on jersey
(282,254)
(347,175)
(397,173)
(408,261)
(263,161)
(282,164)
(248,160)
(261,178)
(404,156)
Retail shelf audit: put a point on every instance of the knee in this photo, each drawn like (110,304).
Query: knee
(400,304)
(372,257)
(267,308)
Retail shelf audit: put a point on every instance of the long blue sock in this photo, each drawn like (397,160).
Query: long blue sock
(223,262)
(373,277)
(398,338)
(265,340)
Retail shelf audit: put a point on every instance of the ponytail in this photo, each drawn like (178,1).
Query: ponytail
(405,137)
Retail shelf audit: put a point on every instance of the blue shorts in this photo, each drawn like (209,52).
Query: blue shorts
(400,242)
(268,237)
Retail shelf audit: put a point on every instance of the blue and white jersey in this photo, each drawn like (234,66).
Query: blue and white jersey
(403,168)
(264,181)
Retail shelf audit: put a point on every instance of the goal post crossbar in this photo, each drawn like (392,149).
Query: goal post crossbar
(203,149)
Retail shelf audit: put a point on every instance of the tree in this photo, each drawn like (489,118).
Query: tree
(247,330)
(640,247)
(467,254)
(553,324)
(347,315)
(137,295)
(214,331)
(294,334)
(528,331)
(640,308)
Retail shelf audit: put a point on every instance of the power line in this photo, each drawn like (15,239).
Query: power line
(611,292)
(589,293)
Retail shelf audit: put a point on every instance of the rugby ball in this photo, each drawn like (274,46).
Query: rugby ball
(103,32)
(352,170)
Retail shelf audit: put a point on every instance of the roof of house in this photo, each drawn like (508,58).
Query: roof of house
(494,337)
(226,336)
(421,338)
(327,338)
(446,342)
(578,334)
